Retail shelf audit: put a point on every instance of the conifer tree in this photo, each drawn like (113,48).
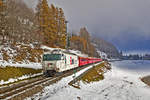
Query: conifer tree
(46,24)
(79,43)
(57,19)
(53,22)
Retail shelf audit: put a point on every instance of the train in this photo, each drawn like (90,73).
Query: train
(58,61)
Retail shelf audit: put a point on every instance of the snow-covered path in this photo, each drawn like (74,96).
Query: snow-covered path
(117,85)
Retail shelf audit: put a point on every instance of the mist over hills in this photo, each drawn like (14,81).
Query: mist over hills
(106,47)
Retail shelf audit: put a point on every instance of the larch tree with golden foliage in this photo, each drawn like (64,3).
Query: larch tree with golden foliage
(53,19)
(83,43)
(46,25)
(79,43)
(51,24)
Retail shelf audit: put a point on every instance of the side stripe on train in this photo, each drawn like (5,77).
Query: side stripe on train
(70,60)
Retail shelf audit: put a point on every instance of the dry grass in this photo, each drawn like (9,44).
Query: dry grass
(92,75)
(5,56)
(23,53)
(14,72)
(95,73)
(28,53)
(146,80)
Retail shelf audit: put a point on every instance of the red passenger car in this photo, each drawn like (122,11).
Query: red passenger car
(84,61)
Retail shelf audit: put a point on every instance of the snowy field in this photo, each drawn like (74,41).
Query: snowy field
(118,84)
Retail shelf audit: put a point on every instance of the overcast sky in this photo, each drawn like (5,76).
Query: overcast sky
(125,23)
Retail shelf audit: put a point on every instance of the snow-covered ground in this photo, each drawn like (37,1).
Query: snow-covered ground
(102,54)
(12,80)
(12,52)
(25,65)
(118,84)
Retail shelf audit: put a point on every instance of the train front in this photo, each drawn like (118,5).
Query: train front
(51,63)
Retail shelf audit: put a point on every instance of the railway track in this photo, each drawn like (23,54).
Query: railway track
(20,90)
(11,91)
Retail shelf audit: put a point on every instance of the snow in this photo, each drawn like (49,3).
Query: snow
(52,89)
(79,53)
(102,54)
(11,53)
(118,84)
(25,63)
(138,67)
(11,80)
(30,65)
(47,48)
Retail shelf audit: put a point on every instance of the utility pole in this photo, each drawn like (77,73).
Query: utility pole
(67,38)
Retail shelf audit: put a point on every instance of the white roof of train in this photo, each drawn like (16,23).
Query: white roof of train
(59,51)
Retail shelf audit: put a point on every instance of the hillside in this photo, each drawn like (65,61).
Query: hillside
(96,47)
(20,54)
(106,47)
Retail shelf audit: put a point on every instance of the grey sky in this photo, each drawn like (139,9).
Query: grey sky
(114,20)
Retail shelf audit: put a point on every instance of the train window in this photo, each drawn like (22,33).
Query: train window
(62,57)
(49,57)
(75,61)
(83,59)
(72,61)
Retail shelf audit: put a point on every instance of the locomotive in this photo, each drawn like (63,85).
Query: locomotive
(59,61)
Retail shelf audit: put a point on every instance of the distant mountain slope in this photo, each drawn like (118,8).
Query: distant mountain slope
(106,47)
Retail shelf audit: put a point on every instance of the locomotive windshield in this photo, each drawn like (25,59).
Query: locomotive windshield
(49,57)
